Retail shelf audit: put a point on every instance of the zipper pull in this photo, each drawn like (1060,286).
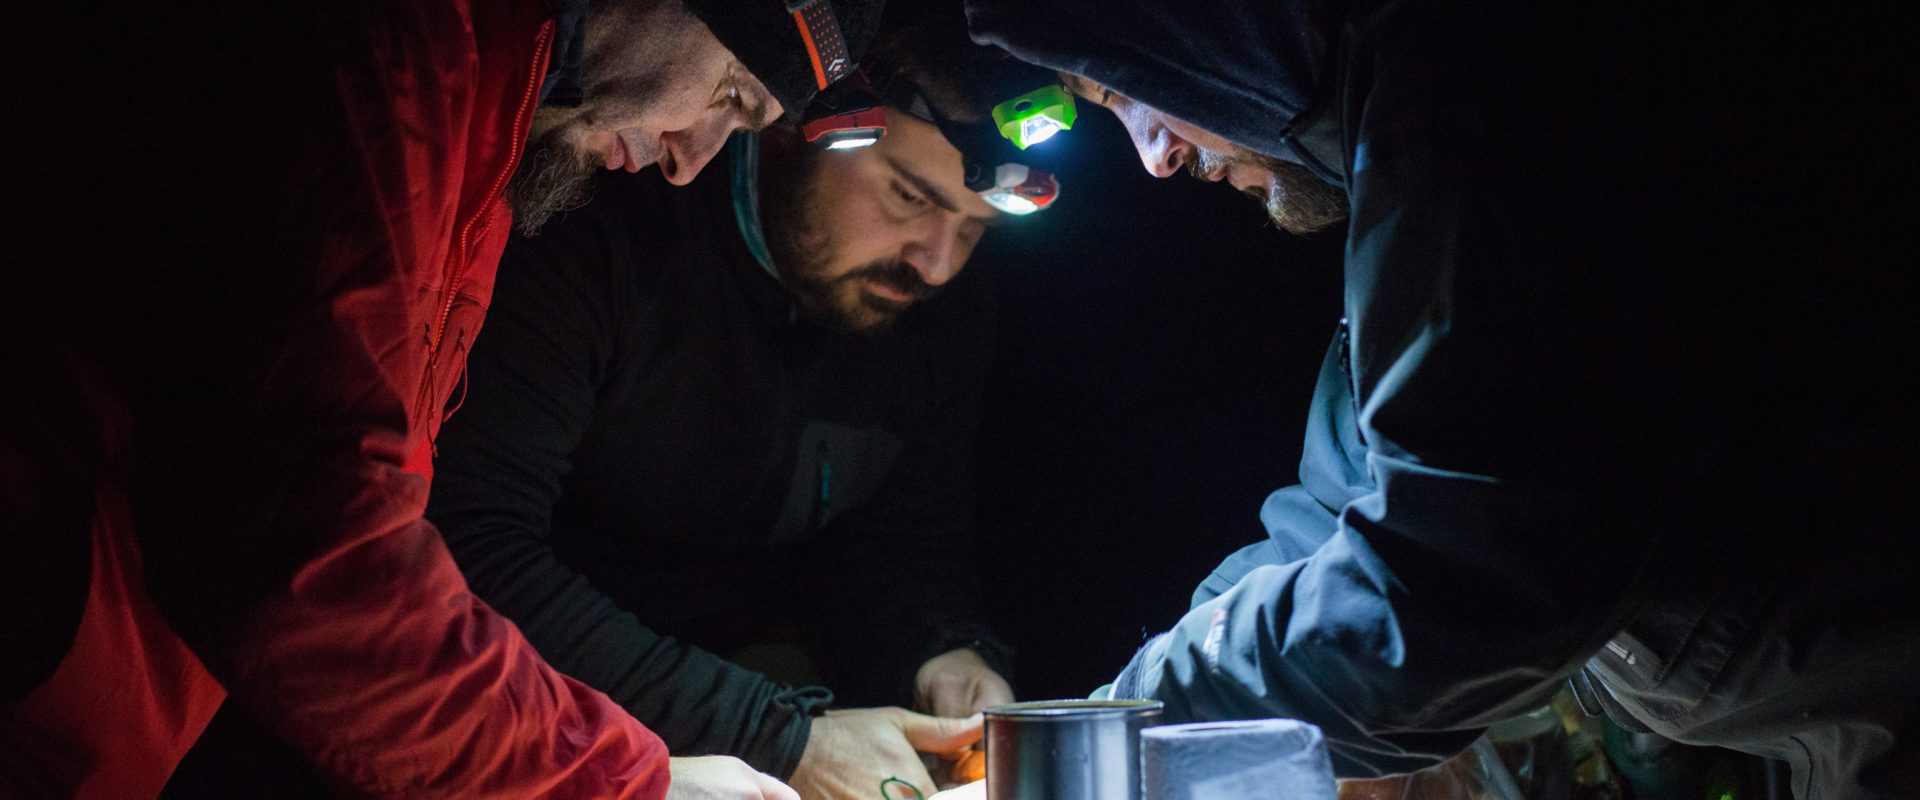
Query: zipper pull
(823,509)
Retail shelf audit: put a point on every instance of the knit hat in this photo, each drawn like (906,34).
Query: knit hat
(794,47)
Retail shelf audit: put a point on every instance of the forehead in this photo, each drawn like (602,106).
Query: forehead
(917,147)
(1133,112)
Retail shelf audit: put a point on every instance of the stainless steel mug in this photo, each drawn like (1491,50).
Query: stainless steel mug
(1067,749)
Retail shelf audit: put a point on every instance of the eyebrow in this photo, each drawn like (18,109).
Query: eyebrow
(933,193)
(923,186)
(1074,84)
(1082,87)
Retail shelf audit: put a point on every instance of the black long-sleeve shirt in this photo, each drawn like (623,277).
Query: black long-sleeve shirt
(658,460)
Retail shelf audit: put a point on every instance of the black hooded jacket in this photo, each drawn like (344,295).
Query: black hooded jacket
(1615,386)
(660,463)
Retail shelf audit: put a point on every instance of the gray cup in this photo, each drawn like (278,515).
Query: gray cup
(1067,749)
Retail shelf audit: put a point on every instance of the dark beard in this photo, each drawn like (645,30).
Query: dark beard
(803,253)
(825,298)
(1296,200)
(551,180)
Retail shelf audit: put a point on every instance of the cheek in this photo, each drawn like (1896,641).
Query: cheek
(1200,137)
(849,211)
(1134,119)
(665,114)
(662,99)
(857,232)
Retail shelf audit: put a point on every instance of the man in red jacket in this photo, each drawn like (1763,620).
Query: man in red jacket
(256,243)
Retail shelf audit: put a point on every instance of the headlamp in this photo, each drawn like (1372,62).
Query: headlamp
(1036,116)
(1020,190)
(857,128)
(852,114)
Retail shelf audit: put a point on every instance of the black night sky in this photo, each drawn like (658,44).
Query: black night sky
(1157,345)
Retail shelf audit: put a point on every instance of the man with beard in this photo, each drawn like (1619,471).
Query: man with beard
(708,421)
(1611,397)
(261,239)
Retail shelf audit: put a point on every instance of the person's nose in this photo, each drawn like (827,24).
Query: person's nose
(691,149)
(1162,151)
(932,251)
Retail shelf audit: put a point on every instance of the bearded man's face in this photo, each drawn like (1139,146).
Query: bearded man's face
(1296,200)
(659,89)
(859,236)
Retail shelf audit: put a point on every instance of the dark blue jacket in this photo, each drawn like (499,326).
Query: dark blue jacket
(1615,386)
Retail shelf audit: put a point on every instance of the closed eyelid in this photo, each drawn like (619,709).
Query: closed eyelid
(1085,88)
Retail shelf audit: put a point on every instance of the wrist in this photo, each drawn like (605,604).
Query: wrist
(791,724)
(1135,681)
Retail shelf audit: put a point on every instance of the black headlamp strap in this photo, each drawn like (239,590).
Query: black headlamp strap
(820,32)
(897,92)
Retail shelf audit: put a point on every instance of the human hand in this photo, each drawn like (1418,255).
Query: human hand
(722,778)
(850,752)
(958,683)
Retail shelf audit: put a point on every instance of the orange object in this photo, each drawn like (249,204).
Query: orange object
(971,767)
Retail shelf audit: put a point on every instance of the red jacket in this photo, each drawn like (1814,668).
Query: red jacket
(257,491)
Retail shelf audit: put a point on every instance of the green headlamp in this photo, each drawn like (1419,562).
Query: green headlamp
(1036,116)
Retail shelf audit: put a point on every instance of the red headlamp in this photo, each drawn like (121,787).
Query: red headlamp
(857,128)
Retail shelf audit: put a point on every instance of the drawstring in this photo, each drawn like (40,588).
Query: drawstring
(433,436)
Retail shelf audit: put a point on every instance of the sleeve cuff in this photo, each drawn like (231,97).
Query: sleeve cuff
(1143,672)
(781,752)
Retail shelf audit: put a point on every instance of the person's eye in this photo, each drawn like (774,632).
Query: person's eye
(1087,90)
(906,195)
(728,94)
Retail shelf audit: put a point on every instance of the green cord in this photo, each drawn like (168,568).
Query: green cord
(910,787)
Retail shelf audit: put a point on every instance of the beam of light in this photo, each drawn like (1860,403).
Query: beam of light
(1038,129)
(1010,203)
(849,144)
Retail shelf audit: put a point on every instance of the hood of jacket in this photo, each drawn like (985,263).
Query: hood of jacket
(1248,70)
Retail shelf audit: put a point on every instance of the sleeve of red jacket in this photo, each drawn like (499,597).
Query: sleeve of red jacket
(319,164)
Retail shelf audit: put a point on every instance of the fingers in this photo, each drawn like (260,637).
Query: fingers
(964,699)
(991,690)
(959,683)
(930,734)
(916,773)
(722,778)
(946,699)
(773,789)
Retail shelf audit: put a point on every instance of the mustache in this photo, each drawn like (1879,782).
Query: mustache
(1208,163)
(1295,199)
(895,274)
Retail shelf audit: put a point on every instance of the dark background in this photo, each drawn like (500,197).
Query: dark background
(1157,345)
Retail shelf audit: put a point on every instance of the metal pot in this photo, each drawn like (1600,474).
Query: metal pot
(1067,749)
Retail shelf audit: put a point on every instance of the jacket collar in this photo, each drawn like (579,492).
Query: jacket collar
(743,152)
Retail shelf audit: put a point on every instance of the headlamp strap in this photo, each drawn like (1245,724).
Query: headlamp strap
(820,32)
(848,114)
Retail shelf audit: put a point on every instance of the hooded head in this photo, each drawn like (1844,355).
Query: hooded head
(1225,90)
(1243,69)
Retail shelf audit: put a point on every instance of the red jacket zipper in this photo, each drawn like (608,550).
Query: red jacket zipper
(481,216)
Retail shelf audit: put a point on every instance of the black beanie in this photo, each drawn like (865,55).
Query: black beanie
(766,36)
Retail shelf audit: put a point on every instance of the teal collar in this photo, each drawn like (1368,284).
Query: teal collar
(744,151)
